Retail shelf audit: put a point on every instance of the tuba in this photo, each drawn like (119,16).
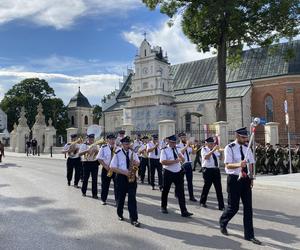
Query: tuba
(132,170)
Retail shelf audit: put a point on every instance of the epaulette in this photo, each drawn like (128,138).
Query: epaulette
(231,145)
(118,151)
(105,145)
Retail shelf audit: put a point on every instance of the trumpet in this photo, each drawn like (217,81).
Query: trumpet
(79,140)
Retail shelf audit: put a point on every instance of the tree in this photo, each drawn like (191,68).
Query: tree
(29,93)
(97,114)
(227,25)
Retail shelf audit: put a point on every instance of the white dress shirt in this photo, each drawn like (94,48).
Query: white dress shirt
(187,153)
(105,154)
(144,155)
(72,155)
(167,154)
(88,157)
(152,154)
(136,145)
(209,163)
(232,154)
(119,159)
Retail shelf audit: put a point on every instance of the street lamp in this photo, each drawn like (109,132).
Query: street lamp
(199,117)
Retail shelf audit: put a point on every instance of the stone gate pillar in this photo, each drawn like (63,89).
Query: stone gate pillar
(50,133)
(222,132)
(271,133)
(166,128)
(22,133)
(39,127)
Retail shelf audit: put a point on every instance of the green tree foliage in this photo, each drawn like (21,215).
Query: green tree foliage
(227,25)
(29,93)
(97,113)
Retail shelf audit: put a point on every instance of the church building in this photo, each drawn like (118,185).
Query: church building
(156,90)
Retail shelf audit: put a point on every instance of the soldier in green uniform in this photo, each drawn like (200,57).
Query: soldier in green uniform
(260,158)
(270,159)
(297,158)
(279,158)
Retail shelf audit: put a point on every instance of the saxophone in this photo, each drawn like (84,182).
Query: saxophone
(132,170)
(110,171)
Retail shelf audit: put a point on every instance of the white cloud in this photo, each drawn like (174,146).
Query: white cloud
(60,13)
(171,39)
(94,87)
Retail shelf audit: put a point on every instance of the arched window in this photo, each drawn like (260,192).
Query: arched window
(269,108)
(72,120)
(145,52)
(86,120)
(188,122)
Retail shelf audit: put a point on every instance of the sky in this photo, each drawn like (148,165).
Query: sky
(90,43)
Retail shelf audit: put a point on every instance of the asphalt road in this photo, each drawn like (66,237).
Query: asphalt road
(39,211)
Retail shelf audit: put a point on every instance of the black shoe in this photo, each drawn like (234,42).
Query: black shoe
(186,214)
(104,203)
(203,205)
(95,197)
(224,230)
(221,208)
(160,189)
(121,218)
(153,188)
(254,241)
(164,210)
(83,195)
(76,186)
(193,199)
(69,183)
(135,223)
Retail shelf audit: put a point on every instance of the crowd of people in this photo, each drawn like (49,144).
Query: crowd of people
(276,160)
(128,163)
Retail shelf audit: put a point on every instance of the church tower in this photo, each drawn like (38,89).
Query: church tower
(152,95)
(80,112)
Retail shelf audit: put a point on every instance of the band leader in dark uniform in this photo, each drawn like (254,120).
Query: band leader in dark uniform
(211,172)
(104,157)
(120,164)
(239,188)
(170,159)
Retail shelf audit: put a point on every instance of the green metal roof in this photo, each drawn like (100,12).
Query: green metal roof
(79,100)
(256,63)
(211,94)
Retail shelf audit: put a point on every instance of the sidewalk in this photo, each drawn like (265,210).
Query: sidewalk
(42,156)
(291,181)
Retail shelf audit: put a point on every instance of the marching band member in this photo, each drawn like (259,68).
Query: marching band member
(237,189)
(153,151)
(137,143)
(211,172)
(73,161)
(90,165)
(170,159)
(120,164)
(104,157)
(142,152)
(186,150)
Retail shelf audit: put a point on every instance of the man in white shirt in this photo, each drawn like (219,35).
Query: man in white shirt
(73,161)
(153,150)
(120,164)
(211,173)
(236,159)
(187,152)
(90,165)
(104,157)
(170,159)
(142,152)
